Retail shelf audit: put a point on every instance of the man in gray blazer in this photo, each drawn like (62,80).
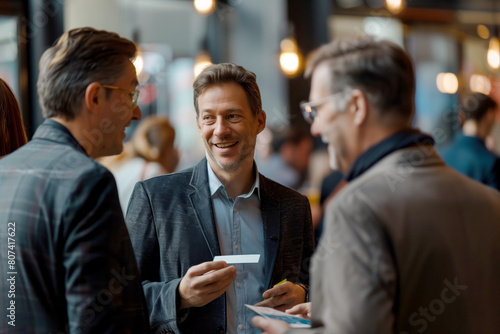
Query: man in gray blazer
(179,222)
(410,245)
(67,264)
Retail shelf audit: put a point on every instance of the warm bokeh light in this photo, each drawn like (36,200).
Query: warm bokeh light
(447,83)
(494,53)
(395,6)
(289,62)
(204,7)
(480,84)
(203,60)
(483,31)
(290,57)
(139,63)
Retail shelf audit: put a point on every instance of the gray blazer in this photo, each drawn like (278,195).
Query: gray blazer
(410,246)
(172,227)
(74,265)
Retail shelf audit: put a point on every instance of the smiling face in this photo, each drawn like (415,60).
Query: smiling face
(117,112)
(228,127)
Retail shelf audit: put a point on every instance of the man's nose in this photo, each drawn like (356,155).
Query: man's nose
(221,128)
(136,113)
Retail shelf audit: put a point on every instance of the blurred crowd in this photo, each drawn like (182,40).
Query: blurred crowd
(372,231)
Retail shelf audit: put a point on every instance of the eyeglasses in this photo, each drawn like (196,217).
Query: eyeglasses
(133,93)
(310,109)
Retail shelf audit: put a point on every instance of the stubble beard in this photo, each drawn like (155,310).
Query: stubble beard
(246,153)
(335,153)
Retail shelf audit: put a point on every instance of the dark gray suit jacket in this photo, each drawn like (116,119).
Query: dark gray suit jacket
(70,254)
(171,223)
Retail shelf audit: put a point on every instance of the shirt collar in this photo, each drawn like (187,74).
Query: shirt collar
(216,185)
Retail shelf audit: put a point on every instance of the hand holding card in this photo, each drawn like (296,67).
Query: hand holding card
(271,313)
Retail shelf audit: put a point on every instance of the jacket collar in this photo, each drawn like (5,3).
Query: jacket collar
(56,132)
(202,205)
(270,208)
(401,139)
(269,205)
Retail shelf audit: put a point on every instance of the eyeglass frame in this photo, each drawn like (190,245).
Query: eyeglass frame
(135,94)
(309,108)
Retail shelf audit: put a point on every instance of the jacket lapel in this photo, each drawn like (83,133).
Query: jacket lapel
(202,206)
(271,220)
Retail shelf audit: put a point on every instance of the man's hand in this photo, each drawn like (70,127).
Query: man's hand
(283,296)
(205,282)
(303,310)
(270,326)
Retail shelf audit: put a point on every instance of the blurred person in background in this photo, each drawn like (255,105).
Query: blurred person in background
(289,161)
(71,264)
(409,245)
(221,206)
(330,186)
(149,153)
(468,153)
(12,134)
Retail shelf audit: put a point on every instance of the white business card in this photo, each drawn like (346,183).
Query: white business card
(236,259)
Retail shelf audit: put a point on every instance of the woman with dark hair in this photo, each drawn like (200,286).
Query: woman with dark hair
(12,134)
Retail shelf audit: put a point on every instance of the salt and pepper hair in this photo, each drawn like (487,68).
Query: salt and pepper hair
(381,69)
(78,58)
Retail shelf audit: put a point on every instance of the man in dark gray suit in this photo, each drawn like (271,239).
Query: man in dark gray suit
(179,222)
(410,245)
(66,259)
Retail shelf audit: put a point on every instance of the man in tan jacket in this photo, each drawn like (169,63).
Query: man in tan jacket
(410,246)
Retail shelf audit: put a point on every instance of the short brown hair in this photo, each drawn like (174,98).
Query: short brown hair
(12,132)
(381,69)
(78,58)
(226,73)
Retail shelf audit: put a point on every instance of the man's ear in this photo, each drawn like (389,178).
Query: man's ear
(359,107)
(261,121)
(93,96)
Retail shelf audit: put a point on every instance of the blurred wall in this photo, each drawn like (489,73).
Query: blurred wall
(254,31)
(245,32)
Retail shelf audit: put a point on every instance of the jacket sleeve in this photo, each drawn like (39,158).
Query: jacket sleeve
(308,249)
(161,296)
(354,279)
(102,286)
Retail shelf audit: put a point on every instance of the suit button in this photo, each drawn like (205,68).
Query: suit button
(219,330)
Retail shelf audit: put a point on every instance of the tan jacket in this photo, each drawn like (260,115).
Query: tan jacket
(410,246)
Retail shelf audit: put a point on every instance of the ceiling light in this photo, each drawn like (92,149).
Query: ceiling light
(290,57)
(205,7)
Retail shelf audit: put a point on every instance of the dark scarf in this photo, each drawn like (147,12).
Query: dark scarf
(402,139)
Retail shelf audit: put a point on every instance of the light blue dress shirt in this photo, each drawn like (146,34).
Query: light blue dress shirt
(240,231)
